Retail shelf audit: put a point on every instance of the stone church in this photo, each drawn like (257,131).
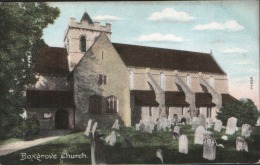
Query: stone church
(91,77)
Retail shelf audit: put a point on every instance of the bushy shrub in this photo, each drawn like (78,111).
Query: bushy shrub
(244,110)
(28,127)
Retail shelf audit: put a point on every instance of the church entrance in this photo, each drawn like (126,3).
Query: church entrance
(61,119)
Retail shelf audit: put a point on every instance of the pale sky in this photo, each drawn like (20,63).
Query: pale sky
(229,28)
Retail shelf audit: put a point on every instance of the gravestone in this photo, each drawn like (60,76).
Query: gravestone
(116,124)
(176,129)
(137,127)
(183,144)
(202,121)
(175,119)
(241,144)
(199,135)
(97,148)
(209,122)
(164,123)
(209,146)
(188,118)
(218,125)
(159,154)
(111,139)
(94,129)
(158,125)
(246,130)
(194,123)
(88,128)
(231,126)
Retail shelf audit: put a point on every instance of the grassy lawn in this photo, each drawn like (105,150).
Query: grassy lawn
(143,152)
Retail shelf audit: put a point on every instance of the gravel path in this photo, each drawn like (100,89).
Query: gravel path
(16,146)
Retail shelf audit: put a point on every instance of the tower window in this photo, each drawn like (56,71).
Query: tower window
(83,44)
(102,79)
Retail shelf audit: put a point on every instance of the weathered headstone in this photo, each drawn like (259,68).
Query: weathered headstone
(116,124)
(246,130)
(199,135)
(218,125)
(202,121)
(111,139)
(88,128)
(183,144)
(231,126)
(175,119)
(241,144)
(176,129)
(194,123)
(94,129)
(209,146)
(159,155)
(209,122)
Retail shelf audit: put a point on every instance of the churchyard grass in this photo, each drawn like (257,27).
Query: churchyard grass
(144,148)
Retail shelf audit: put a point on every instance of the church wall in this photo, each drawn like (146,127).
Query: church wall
(101,58)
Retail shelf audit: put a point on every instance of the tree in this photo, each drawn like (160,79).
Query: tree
(21,29)
(244,110)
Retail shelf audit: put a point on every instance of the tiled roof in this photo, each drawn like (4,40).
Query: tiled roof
(227,98)
(87,18)
(52,60)
(175,99)
(203,100)
(161,58)
(48,99)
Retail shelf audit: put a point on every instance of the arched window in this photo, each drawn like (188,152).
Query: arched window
(131,79)
(162,81)
(212,81)
(83,44)
(189,80)
(95,104)
(112,104)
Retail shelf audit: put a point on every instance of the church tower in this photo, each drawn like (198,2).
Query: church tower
(79,36)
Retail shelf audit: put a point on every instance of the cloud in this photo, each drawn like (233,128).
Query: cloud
(234,50)
(230,25)
(245,62)
(157,37)
(107,18)
(171,15)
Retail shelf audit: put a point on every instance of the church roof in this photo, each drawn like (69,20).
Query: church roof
(49,99)
(87,18)
(203,100)
(52,61)
(227,98)
(161,58)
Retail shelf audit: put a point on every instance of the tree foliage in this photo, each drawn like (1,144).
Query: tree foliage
(21,30)
(244,110)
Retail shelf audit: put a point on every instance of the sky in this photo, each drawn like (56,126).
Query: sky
(230,29)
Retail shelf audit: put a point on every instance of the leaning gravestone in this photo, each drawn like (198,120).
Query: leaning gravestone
(241,144)
(183,144)
(116,124)
(231,126)
(246,130)
(218,125)
(202,120)
(176,129)
(199,135)
(209,146)
(88,128)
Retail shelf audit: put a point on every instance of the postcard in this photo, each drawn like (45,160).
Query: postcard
(129,82)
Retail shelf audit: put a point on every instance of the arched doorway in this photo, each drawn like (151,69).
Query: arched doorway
(61,119)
